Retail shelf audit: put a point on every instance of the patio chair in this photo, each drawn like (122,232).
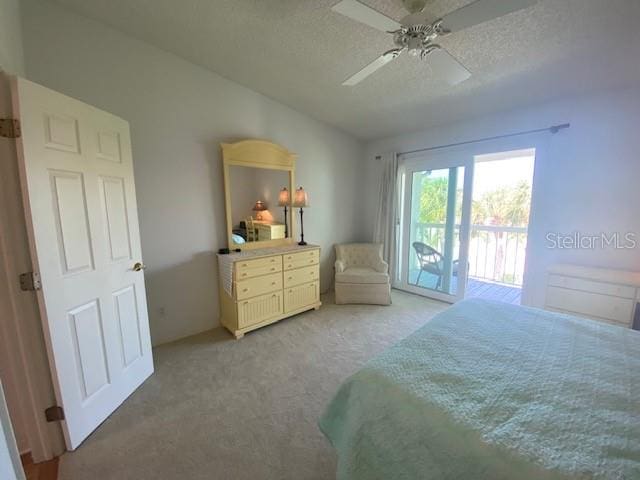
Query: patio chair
(432,261)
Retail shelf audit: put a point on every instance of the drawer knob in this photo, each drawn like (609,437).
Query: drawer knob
(245,290)
(273,283)
(273,268)
(244,274)
(290,278)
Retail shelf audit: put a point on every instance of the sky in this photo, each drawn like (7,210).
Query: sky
(489,175)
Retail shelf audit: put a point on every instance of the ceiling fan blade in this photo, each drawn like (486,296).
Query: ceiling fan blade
(482,11)
(378,63)
(446,67)
(361,13)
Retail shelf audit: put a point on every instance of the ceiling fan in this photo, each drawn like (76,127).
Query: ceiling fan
(417,35)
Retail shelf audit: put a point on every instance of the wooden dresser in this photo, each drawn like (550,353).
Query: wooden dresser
(600,294)
(262,286)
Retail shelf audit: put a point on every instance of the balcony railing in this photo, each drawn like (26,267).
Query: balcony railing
(496,253)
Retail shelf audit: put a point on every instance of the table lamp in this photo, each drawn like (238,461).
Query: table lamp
(260,206)
(283,201)
(301,200)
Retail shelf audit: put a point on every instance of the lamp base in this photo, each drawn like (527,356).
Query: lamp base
(302,244)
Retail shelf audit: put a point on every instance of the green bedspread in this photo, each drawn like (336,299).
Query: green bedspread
(490,391)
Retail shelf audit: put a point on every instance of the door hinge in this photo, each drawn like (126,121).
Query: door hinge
(54,414)
(30,282)
(10,128)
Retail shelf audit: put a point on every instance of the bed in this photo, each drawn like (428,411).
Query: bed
(491,391)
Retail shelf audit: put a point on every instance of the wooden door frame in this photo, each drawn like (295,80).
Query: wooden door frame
(20,323)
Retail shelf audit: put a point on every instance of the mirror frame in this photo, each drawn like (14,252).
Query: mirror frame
(258,154)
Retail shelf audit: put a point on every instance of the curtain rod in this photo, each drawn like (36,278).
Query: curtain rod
(552,129)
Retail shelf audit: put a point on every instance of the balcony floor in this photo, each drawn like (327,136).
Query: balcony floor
(476,288)
(492,291)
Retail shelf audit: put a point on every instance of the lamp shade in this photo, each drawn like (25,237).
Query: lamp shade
(300,199)
(284,197)
(260,206)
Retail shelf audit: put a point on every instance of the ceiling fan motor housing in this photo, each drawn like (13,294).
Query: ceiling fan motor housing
(415,37)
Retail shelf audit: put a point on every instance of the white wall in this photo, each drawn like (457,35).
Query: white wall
(179,113)
(587,178)
(11,53)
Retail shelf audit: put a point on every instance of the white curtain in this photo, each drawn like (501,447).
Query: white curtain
(385,229)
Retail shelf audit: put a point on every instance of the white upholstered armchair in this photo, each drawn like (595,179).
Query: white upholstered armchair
(362,276)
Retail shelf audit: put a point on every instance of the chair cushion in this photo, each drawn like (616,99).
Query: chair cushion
(361,275)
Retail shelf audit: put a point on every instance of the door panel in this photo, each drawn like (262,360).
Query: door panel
(80,205)
(87,334)
(114,209)
(109,146)
(435,226)
(126,308)
(61,133)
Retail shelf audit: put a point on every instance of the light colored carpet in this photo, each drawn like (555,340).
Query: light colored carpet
(217,408)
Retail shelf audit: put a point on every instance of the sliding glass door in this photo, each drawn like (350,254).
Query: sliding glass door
(435,218)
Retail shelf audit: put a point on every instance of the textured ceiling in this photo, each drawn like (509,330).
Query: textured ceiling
(299,52)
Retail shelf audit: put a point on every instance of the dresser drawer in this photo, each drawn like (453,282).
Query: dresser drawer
(258,286)
(592,286)
(301,296)
(258,266)
(260,309)
(590,317)
(301,275)
(301,259)
(591,304)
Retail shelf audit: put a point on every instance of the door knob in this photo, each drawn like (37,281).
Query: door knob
(138,266)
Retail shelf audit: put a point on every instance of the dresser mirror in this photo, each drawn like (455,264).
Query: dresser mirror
(258,181)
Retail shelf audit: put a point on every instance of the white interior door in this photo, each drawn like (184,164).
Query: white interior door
(435,223)
(80,204)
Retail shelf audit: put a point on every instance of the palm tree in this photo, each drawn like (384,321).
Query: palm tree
(507,207)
